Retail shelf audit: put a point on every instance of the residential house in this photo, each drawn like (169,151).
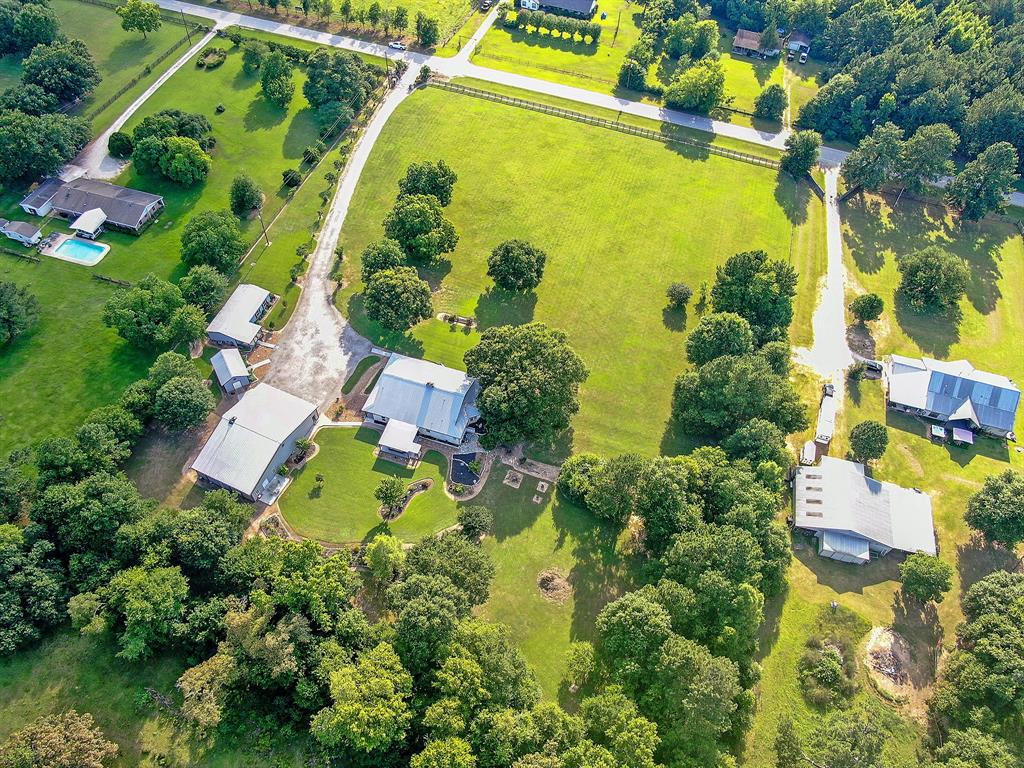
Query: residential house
(953,393)
(583,9)
(238,322)
(853,516)
(748,43)
(125,209)
(416,398)
(253,439)
(231,370)
(22,232)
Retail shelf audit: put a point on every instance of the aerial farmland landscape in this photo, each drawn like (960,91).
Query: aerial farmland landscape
(511,383)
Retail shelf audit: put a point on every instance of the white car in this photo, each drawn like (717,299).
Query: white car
(803,58)
(398,46)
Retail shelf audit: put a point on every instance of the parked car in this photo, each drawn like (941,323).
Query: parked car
(485,5)
(803,58)
(397,45)
(790,56)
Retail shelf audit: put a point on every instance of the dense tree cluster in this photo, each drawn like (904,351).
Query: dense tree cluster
(67,740)
(516,265)
(212,238)
(979,700)
(153,313)
(553,24)
(997,509)
(276,80)
(19,311)
(174,144)
(418,224)
(932,279)
(682,647)
(139,16)
(338,76)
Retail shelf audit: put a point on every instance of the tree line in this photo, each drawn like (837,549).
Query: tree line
(525,19)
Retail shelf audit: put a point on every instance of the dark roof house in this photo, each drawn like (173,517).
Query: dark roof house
(582,8)
(37,202)
(125,208)
(748,43)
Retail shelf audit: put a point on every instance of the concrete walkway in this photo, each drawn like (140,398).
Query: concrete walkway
(318,346)
(94,159)
(830,355)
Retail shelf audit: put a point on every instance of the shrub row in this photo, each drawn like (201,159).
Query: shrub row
(553,23)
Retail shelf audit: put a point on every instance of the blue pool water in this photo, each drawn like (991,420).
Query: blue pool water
(81,250)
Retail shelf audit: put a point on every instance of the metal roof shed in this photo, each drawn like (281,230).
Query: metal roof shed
(236,322)
(90,222)
(400,437)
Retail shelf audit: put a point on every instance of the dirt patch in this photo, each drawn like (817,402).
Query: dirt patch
(912,461)
(554,586)
(895,672)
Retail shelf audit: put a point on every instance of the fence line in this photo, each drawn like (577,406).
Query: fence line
(604,123)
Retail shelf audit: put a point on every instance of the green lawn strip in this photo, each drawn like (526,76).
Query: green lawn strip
(305,45)
(361,368)
(120,56)
(70,363)
(530,538)
(690,134)
(344,510)
(607,270)
(70,671)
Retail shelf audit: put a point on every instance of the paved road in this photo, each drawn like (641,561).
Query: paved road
(318,345)
(94,160)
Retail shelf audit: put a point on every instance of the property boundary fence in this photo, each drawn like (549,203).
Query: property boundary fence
(613,125)
(165,15)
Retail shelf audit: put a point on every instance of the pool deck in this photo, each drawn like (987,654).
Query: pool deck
(60,239)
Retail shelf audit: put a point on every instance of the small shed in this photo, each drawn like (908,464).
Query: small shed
(399,437)
(90,223)
(22,232)
(232,373)
(798,42)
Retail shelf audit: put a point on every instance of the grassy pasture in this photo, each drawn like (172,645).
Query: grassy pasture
(70,363)
(344,509)
(620,218)
(991,323)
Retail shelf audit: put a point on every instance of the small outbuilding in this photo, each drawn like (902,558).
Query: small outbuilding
(583,9)
(399,439)
(852,515)
(238,322)
(22,232)
(90,223)
(798,42)
(231,370)
(253,439)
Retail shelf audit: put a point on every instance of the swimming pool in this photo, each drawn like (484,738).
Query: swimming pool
(83,252)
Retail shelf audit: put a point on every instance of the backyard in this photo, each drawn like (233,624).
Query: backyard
(607,273)
(553,535)
(70,363)
(992,322)
(343,509)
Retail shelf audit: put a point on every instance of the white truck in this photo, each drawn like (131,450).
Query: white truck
(826,416)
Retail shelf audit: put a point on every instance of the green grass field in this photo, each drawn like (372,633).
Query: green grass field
(991,325)
(566,191)
(344,510)
(530,538)
(70,363)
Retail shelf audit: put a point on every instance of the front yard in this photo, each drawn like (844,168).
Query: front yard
(344,510)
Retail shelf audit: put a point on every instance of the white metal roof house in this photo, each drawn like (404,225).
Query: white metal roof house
(952,392)
(22,231)
(231,370)
(582,8)
(853,515)
(253,439)
(238,322)
(430,400)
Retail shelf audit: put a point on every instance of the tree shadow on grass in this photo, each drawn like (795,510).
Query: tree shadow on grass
(676,442)
(977,558)
(514,510)
(301,133)
(261,115)
(697,151)
(674,319)
(554,450)
(770,629)
(919,625)
(500,307)
(547,42)
(934,332)
(793,197)
(434,272)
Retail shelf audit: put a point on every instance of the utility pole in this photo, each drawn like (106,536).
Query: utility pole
(187,33)
(259,215)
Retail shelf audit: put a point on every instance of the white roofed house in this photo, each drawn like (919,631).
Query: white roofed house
(953,393)
(852,515)
(416,398)
(238,322)
(22,232)
(252,440)
(231,370)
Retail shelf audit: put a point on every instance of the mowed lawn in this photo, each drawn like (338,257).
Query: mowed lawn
(70,362)
(69,671)
(530,538)
(989,336)
(344,510)
(120,56)
(620,217)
